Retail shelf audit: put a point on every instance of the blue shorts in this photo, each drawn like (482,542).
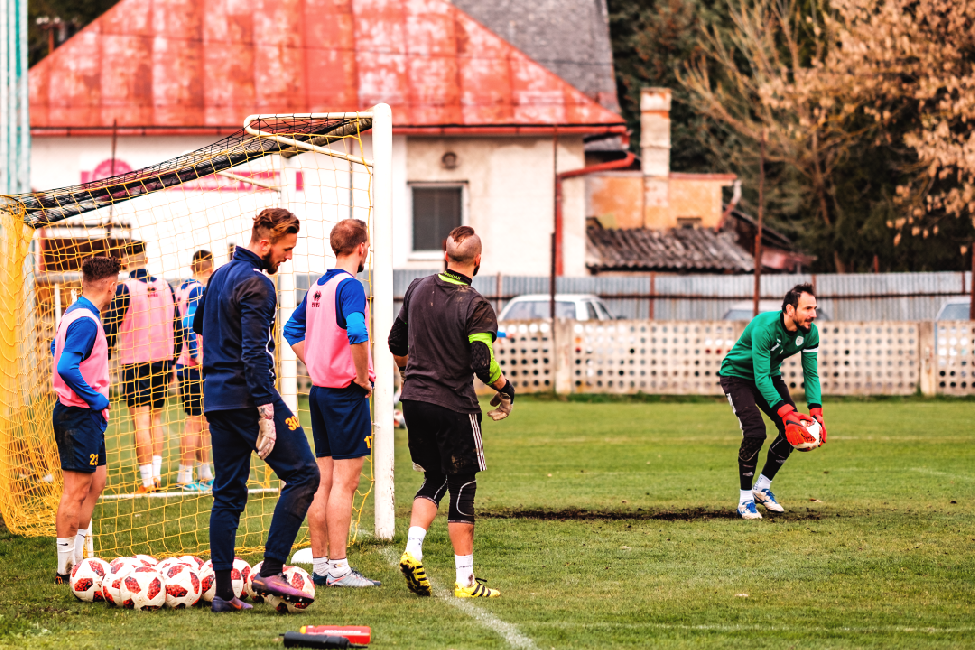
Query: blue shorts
(80,436)
(340,422)
(190,390)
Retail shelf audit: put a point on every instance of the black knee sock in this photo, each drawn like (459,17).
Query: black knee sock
(748,460)
(271,567)
(225,588)
(778,453)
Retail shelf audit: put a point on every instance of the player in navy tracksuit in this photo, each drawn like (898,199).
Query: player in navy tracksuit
(245,411)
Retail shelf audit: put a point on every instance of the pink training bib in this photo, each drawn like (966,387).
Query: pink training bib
(182,301)
(328,353)
(146,333)
(94,369)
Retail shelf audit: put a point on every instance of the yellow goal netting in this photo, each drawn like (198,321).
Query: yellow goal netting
(317,166)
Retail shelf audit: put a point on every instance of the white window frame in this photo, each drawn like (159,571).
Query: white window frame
(437,255)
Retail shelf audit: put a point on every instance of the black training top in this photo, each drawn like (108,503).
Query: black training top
(440,314)
(236,319)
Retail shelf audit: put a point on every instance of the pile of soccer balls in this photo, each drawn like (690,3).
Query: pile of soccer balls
(143,583)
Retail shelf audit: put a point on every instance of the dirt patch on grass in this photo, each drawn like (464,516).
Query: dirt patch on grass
(688,514)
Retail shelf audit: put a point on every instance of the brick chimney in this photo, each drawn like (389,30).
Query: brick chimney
(655,156)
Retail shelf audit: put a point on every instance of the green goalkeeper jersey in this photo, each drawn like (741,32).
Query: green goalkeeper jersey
(763,346)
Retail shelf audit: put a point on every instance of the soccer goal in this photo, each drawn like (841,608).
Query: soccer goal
(324,167)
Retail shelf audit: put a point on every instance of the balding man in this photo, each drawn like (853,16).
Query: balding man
(444,334)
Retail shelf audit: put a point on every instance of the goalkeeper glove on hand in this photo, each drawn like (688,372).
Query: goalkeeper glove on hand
(267,433)
(402,374)
(818,414)
(795,433)
(503,400)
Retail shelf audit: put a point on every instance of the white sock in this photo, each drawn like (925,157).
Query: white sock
(79,544)
(414,541)
(157,466)
(204,472)
(763,483)
(339,568)
(145,471)
(184,474)
(321,565)
(746,496)
(464,567)
(65,554)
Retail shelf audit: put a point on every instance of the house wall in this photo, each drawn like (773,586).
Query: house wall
(618,199)
(508,199)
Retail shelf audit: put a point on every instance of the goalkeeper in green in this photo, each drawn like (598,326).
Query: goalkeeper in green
(752,382)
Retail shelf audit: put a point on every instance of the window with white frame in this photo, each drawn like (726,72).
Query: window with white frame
(436,211)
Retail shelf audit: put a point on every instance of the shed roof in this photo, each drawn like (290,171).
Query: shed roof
(677,250)
(175,64)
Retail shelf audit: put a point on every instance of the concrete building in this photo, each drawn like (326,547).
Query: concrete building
(475,118)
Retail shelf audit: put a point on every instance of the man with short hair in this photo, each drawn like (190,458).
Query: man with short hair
(193,447)
(444,334)
(147,325)
(81,383)
(329,333)
(246,414)
(752,381)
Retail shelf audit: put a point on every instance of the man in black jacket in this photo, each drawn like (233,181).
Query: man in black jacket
(246,413)
(443,335)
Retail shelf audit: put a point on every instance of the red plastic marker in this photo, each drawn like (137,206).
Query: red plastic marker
(354,633)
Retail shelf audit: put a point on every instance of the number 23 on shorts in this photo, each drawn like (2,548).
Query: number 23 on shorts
(94,459)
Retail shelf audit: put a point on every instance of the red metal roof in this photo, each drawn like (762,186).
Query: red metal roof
(186,64)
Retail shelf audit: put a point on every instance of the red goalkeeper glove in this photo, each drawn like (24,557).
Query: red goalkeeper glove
(795,433)
(818,414)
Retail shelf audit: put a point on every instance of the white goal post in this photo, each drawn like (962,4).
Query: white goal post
(381,235)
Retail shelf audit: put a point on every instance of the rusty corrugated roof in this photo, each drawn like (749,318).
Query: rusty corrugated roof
(209,63)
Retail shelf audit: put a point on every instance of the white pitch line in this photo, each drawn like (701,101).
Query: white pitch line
(507,631)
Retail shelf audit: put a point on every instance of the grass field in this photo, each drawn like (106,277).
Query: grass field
(608,525)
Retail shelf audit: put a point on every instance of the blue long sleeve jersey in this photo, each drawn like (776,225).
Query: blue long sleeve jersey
(120,306)
(350,311)
(236,319)
(78,343)
(189,337)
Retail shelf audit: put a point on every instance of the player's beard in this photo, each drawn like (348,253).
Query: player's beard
(362,266)
(272,267)
(476,269)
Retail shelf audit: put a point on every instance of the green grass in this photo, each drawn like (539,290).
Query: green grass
(607,524)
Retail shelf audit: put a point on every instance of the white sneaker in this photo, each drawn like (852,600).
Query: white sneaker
(767,499)
(747,510)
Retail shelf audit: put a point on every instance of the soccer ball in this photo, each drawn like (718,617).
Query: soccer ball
(130,562)
(86,579)
(815,431)
(147,560)
(208,582)
(192,561)
(114,590)
(183,587)
(299,579)
(169,562)
(146,588)
(239,575)
(249,584)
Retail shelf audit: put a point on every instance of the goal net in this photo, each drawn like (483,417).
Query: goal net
(324,168)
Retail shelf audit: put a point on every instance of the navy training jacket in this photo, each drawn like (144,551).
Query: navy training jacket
(236,316)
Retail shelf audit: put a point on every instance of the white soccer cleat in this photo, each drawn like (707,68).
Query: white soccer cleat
(767,499)
(747,510)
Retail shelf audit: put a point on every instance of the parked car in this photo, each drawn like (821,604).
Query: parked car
(575,306)
(954,309)
(743,310)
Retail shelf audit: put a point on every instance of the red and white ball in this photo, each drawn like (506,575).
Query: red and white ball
(299,579)
(239,575)
(208,582)
(193,561)
(249,584)
(183,588)
(87,577)
(147,560)
(815,432)
(146,588)
(170,562)
(114,590)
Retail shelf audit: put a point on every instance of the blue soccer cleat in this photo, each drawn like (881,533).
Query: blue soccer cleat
(767,499)
(321,581)
(747,510)
(233,605)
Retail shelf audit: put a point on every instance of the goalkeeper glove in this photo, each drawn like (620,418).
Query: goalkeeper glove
(402,374)
(795,433)
(818,414)
(503,400)
(267,433)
